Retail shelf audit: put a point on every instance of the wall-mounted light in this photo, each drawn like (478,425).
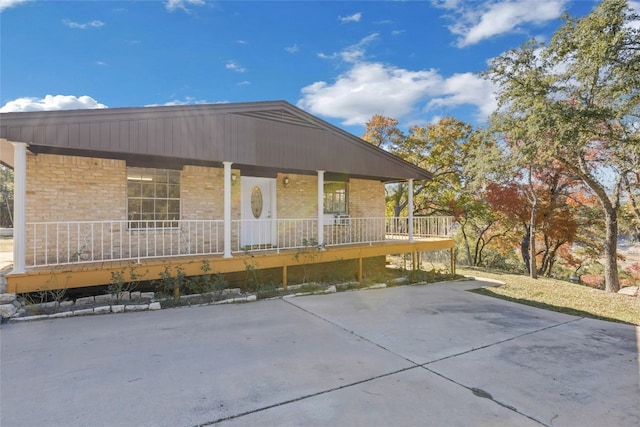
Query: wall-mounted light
(285,181)
(233,177)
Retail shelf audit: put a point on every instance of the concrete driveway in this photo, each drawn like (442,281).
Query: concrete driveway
(416,355)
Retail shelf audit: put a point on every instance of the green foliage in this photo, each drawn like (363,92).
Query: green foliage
(120,284)
(6,197)
(576,102)
(306,257)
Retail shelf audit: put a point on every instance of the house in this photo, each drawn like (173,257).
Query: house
(99,189)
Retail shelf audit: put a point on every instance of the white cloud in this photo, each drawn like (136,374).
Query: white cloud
(242,42)
(353,53)
(234,66)
(6,4)
(356,17)
(480,21)
(292,49)
(367,89)
(244,83)
(50,103)
(79,26)
(173,5)
(467,89)
(375,88)
(188,100)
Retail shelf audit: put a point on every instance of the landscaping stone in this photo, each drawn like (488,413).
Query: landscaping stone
(190,297)
(66,303)
(52,304)
(231,291)
(103,298)
(7,298)
(85,300)
(102,310)
(30,318)
(149,295)
(155,306)
(135,295)
(398,280)
(124,296)
(117,308)
(331,290)
(7,310)
(61,314)
(252,298)
(136,307)
(378,286)
(629,290)
(83,312)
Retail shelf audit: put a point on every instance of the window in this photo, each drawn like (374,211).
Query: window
(153,197)
(335,198)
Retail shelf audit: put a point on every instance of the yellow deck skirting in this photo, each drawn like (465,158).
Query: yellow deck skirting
(99,273)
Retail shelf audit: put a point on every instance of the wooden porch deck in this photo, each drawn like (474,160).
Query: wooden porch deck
(100,273)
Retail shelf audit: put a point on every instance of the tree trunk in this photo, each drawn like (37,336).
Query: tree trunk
(524,249)
(612,281)
(467,249)
(533,271)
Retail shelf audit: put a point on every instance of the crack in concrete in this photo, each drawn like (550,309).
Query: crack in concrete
(475,391)
(298,399)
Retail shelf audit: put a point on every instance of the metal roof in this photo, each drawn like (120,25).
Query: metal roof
(260,137)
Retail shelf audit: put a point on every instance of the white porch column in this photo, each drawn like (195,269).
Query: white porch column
(320,208)
(410,209)
(19,206)
(227,209)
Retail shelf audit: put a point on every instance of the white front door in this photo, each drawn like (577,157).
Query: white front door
(258,212)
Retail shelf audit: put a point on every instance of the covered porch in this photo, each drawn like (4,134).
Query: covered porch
(84,253)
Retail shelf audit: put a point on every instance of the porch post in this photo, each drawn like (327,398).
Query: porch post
(227,209)
(410,209)
(19,206)
(320,208)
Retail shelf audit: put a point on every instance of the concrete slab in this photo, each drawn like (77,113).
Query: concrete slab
(583,373)
(411,398)
(176,367)
(427,323)
(430,355)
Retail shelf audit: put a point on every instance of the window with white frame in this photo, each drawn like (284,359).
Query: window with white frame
(153,197)
(335,198)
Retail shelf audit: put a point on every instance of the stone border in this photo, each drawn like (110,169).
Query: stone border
(11,309)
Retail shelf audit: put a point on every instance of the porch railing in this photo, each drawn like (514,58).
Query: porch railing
(58,243)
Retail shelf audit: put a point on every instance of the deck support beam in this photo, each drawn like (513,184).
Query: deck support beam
(227,209)
(19,206)
(453,261)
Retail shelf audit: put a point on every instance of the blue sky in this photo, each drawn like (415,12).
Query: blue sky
(340,60)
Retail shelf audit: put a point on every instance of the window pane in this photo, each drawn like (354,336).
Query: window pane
(161,190)
(335,198)
(147,206)
(153,197)
(133,189)
(173,207)
(174,192)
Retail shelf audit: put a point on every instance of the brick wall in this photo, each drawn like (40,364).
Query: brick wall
(67,188)
(366,199)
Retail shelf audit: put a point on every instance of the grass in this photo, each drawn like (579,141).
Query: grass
(560,296)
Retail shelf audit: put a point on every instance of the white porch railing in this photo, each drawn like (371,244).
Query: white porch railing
(58,243)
